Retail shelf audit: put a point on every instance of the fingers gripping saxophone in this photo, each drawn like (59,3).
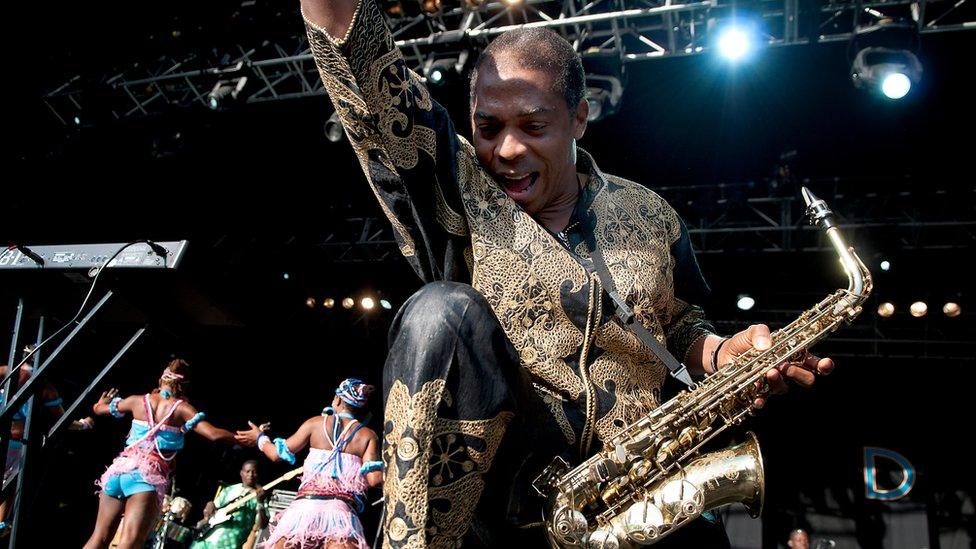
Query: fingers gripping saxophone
(653,479)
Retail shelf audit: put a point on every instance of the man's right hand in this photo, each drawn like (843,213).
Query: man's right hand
(335,16)
(209,510)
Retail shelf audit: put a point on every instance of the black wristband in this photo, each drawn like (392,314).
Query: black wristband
(715,354)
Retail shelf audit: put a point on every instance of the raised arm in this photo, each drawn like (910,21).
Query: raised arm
(111,404)
(333,16)
(405,142)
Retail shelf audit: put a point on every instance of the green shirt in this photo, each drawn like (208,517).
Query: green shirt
(233,533)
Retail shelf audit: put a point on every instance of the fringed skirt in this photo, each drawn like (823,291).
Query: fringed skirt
(310,523)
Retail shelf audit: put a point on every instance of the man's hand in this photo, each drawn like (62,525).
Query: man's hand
(209,510)
(85,424)
(802,371)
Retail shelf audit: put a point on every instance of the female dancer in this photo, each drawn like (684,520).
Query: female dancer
(138,479)
(342,463)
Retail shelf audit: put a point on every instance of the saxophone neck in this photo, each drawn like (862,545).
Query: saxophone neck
(858,277)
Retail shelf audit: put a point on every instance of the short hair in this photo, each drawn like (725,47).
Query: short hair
(253,462)
(544,50)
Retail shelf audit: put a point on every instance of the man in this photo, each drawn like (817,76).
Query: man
(253,515)
(486,382)
(799,539)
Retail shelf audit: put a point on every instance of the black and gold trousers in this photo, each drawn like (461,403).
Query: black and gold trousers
(465,433)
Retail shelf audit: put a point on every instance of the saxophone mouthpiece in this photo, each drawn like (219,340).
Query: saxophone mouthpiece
(808,196)
(817,209)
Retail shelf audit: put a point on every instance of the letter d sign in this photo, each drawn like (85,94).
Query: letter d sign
(871,488)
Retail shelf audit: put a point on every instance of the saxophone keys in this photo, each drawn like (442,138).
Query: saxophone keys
(569,526)
(643,522)
(603,539)
(680,498)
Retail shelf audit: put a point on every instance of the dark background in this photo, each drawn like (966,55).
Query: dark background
(255,189)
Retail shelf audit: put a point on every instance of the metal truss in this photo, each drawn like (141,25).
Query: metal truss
(608,34)
(360,240)
(742,218)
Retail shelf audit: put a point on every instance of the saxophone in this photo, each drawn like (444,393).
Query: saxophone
(651,479)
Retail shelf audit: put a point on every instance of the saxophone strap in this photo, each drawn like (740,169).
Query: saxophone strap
(627,317)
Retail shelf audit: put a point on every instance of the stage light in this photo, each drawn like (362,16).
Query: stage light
(367,303)
(745,302)
(886,309)
(734,43)
(896,85)
(430,6)
(285,276)
(333,128)
(603,95)
(885,62)
(77,121)
(393,8)
(225,91)
(440,71)
(951,309)
(347,303)
(385,304)
(918,309)
(886,265)
(310,302)
(328,303)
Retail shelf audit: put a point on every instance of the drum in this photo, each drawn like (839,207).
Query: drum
(177,532)
(180,508)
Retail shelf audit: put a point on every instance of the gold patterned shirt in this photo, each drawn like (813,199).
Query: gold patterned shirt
(453,222)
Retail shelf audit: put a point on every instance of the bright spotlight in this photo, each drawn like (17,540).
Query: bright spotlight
(896,85)
(385,304)
(347,303)
(285,276)
(886,309)
(734,43)
(886,265)
(918,309)
(888,71)
(310,302)
(952,310)
(367,303)
(328,303)
(745,302)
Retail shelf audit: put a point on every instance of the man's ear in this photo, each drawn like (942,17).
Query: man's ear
(579,118)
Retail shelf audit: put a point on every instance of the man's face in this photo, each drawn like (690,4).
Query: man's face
(799,540)
(524,133)
(249,474)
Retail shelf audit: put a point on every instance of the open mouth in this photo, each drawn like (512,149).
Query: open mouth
(518,184)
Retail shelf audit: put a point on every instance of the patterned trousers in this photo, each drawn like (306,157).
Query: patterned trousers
(465,433)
